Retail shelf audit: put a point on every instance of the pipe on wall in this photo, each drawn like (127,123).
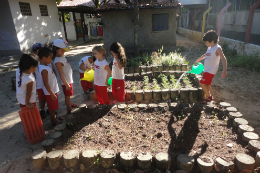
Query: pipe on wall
(185,19)
(220,18)
(250,21)
(204,19)
(194,17)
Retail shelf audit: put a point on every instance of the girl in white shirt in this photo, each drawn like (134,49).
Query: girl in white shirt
(118,76)
(25,82)
(64,71)
(49,83)
(101,75)
(86,64)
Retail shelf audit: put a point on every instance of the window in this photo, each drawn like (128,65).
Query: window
(44,10)
(25,9)
(160,22)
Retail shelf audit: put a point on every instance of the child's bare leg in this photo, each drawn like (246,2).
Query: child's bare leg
(42,105)
(205,89)
(68,104)
(209,89)
(53,116)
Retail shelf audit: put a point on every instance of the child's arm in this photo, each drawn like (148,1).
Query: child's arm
(82,66)
(220,53)
(109,72)
(118,62)
(46,85)
(29,87)
(53,69)
(59,67)
(199,59)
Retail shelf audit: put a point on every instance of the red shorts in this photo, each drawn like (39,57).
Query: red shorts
(41,95)
(66,92)
(207,78)
(25,105)
(52,105)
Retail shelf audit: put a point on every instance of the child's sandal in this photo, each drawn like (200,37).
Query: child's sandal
(56,122)
(208,99)
(59,118)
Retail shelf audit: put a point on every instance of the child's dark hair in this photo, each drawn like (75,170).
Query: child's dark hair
(211,36)
(26,62)
(118,49)
(44,52)
(93,58)
(54,49)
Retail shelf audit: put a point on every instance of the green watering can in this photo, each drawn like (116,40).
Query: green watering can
(197,69)
(109,81)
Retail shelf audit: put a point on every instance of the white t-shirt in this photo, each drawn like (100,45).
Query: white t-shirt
(38,75)
(211,61)
(100,75)
(86,62)
(52,80)
(66,68)
(22,90)
(117,73)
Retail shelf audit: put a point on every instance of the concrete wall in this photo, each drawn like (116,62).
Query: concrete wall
(119,26)
(35,28)
(241,47)
(9,44)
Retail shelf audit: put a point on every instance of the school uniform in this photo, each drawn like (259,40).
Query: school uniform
(67,72)
(211,64)
(118,82)
(39,84)
(52,82)
(100,77)
(85,84)
(22,90)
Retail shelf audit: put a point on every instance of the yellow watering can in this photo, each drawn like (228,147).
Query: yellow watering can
(88,75)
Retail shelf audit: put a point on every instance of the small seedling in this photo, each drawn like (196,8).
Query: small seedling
(131,117)
(134,88)
(99,152)
(179,118)
(224,134)
(97,162)
(90,136)
(115,165)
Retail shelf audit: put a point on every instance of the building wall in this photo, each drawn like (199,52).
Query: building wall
(71,32)
(35,28)
(9,44)
(119,26)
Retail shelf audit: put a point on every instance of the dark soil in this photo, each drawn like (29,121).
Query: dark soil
(155,130)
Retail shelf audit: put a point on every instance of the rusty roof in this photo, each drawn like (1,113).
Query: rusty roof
(112,5)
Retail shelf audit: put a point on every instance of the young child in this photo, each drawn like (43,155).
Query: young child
(64,71)
(86,64)
(101,75)
(41,97)
(211,63)
(50,85)
(118,76)
(25,82)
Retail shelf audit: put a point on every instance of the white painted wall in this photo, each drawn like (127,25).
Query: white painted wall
(35,28)
(71,31)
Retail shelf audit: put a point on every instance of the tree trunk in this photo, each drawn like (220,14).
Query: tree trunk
(136,26)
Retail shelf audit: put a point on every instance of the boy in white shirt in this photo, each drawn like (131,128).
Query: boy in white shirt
(211,63)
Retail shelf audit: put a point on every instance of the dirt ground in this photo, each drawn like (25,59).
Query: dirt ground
(240,88)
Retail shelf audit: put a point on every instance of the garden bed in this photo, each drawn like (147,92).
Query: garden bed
(181,130)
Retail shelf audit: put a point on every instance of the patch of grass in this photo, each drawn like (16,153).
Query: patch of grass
(248,61)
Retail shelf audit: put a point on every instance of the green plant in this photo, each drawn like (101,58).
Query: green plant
(155,85)
(224,134)
(134,88)
(97,162)
(173,82)
(90,136)
(99,152)
(187,82)
(131,117)
(165,82)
